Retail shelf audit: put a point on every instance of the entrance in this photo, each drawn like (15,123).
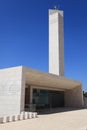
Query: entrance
(45,99)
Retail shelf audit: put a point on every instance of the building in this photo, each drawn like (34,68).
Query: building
(22,87)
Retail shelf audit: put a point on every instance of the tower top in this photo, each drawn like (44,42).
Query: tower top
(56,7)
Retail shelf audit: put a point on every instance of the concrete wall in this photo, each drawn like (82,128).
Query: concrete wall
(10,90)
(74,97)
(56,42)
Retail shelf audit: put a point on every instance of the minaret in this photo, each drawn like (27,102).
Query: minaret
(56,42)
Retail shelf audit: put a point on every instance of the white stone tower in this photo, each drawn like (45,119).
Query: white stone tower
(56,42)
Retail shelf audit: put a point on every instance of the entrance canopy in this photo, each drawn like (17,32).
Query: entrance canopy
(34,77)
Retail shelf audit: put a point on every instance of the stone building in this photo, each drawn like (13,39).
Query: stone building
(22,87)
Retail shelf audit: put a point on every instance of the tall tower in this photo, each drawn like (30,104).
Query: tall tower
(56,42)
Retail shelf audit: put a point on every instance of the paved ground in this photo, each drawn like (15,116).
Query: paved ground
(70,120)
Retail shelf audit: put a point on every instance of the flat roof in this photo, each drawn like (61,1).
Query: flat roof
(34,77)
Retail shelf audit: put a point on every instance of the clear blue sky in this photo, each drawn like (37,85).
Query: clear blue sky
(24,35)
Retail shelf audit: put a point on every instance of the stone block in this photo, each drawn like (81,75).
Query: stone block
(11,118)
(29,115)
(5,119)
(18,117)
(34,115)
(26,115)
(22,116)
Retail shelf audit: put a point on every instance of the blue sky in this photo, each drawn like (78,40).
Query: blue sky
(24,35)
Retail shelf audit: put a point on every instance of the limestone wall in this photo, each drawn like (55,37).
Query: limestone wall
(10,90)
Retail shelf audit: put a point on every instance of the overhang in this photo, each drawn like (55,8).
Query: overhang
(34,77)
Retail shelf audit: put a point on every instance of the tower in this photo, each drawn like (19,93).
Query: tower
(56,42)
